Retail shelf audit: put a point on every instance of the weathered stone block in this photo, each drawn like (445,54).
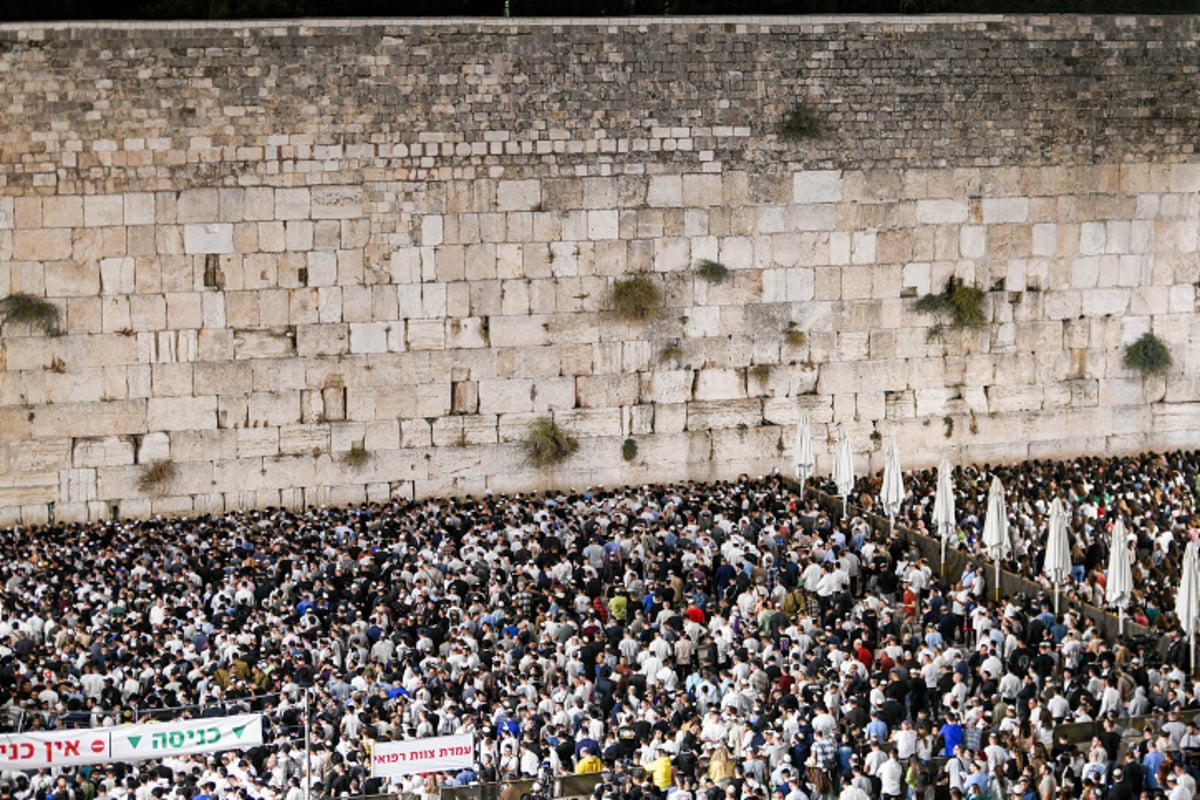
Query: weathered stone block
(941,212)
(102,451)
(600,391)
(602,224)
(71,279)
(719,384)
(524,195)
(336,202)
(711,415)
(209,238)
(103,211)
(41,245)
(181,413)
(505,396)
(1005,209)
(817,186)
(197,205)
(292,204)
(62,212)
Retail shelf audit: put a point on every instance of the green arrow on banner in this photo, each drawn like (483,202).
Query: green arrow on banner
(133,741)
(237,730)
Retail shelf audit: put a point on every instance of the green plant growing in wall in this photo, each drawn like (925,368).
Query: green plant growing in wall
(1149,355)
(793,336)
(156,477)
(629,449)
(547,444)
(948,421)
(961,303)
(670,352)
(356,457)
(800,123)
(712,271)
(35,312)
(636,299)
(761,372)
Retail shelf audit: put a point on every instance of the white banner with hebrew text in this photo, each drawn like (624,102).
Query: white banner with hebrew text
(35,750)
(418,756)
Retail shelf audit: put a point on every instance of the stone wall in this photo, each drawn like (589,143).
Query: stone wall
(323,262)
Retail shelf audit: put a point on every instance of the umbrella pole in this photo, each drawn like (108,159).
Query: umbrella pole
(997,577)
(943,552)
(1191,654)
(1120,620)
(1056,583)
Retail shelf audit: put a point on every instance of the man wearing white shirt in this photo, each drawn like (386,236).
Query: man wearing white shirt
(890,774)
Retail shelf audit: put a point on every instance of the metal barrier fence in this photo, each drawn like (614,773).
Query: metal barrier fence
(565,786)
(1010,583)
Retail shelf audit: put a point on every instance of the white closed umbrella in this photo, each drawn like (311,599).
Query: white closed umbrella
(1187,600)
(843,468)
(1119,582)
(803,460)
(944,521)
(995,528)
(891,493)
(1057,564)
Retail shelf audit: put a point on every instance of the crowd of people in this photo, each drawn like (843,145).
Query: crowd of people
(723,641)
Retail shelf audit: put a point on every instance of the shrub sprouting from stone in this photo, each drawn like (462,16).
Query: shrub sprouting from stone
(636,299)
(1149,355)
(547,444)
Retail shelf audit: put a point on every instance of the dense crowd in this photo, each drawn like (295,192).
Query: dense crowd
(726,641)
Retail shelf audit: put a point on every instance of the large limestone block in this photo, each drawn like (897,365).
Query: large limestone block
(426,334)
(600,391)
(154,447)
(670,418)
(941,212)
(29,491)
(523,195)
(197,205)
(519,331)
(701,190)
(719,384)
(817,186)
(76,486)
(171,380)
(62,212)
(369,337)
(665,191)
(203,445)
(106,418)
(602,224)
(102,211)
(586,423)
(322,340)
(273,408)
(708,415)
(554,393)
(1005,398)
(208,238)
(505,396)
(181,413)
(1005,209)
(303,440)
(1105,302)
(336,202)
(275,343)
(667,385)
(292,204)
